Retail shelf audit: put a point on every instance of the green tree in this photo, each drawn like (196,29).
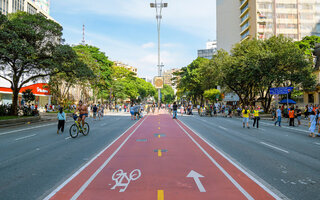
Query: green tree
(167,94)
(255,66)
(212,94)
(28,96)
(30,49)
(100,65)
(191,82)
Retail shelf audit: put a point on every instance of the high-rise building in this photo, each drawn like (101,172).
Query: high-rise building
(209,51)
(264,18)
(228,23)
(168,76)
(43,5)
(30,6)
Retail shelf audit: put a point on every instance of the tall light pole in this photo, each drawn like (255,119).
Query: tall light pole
(158,6)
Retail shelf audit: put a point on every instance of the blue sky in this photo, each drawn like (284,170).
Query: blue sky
(126,29)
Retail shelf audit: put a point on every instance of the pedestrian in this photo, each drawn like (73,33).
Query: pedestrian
(246,116)
(174,110)
(256,117)
(279,114)
(94,109)
(61,120)
(181,110)
(313,123)
(136,110)
(298,114)
(132,111)
(291,116)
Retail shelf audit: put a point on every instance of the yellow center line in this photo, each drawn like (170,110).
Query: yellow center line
(159,153)
(160,195)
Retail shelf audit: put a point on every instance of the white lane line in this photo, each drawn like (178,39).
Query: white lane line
(223,128)
(317,143)
(25,137)
(86,184)
(85,166)
(67,138)
(274,147)
(27,129)
(268,124)
(237,166)
(235,183)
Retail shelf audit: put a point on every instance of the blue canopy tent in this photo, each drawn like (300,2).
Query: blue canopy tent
(290,101)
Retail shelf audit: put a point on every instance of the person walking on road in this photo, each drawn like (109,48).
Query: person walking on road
(291,116)
(313,123)
(298,113)
(256,117)
(246,116)
(181,110)
(62,120)
(132,111)
(94,109)
(174,110)
(279,114)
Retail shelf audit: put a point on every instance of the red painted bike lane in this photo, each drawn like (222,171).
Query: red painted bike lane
(160,158)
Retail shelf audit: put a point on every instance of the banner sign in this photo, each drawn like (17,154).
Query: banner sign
(158,82)
(281,90)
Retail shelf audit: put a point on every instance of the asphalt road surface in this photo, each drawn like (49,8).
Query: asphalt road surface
(160,158)
(34,159)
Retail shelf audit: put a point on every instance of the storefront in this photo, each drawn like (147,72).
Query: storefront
(40,90)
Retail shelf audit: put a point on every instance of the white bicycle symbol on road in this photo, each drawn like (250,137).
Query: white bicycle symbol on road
(122,180)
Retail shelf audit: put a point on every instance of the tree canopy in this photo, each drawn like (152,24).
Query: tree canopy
(30,49)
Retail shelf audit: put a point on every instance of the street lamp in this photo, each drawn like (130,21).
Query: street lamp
(158,6)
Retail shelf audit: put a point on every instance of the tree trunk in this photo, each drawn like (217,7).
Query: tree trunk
(15,97)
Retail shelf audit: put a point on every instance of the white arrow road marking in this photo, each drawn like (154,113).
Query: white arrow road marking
(196,177)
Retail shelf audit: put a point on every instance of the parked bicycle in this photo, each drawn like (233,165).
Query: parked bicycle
(77,127)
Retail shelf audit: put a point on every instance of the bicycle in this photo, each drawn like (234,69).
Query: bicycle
(76,128)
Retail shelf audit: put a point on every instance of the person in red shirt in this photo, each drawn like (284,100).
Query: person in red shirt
(291,116)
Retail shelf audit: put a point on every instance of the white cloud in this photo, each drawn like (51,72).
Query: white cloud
(148,45)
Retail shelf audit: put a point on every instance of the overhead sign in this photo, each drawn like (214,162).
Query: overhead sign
(158,82)
(281,90)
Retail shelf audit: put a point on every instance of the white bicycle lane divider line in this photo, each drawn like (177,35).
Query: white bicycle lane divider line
(267,189)
(88,163)
(231,179)
(86,184)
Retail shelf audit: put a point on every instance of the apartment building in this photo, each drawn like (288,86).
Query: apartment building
(30,6)
(210,50)
(292,18)
(228,21)
(128,67)
(264,18)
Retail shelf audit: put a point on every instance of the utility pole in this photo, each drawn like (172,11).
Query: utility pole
(158,7)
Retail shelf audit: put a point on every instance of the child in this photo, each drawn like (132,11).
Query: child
(62,120)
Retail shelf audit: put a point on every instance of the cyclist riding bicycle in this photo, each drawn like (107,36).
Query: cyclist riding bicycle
(83,110)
